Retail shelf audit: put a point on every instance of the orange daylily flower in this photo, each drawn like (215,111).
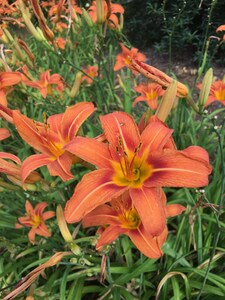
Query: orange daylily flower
(91,71)
(51,138)
(150,93)
(45,83)
(60,43)
(122,218)
(35,219)
(221,28)
(217,92)
(110,11)
(124,59)
(12,169)
(137,163)
(156,75)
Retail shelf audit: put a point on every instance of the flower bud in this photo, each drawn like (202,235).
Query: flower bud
(87,18)
(205,89)
(76,84)
(167,101)
(100,11)
(62,225)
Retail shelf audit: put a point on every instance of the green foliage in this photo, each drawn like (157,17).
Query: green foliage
(173,27)
(192,266)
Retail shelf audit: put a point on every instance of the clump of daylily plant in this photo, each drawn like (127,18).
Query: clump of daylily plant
(125,183)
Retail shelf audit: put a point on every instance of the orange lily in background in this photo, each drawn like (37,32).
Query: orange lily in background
(35,219)
(57,8)
(60,43)
(221,28)
(135,163)
(12,169)
(109,13)
(217,92)
(91,71)
(120,217)
(150,93)
(51,138)
(156,75)
(124,59)
(45,83)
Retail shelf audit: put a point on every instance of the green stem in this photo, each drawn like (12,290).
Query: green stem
(219,212)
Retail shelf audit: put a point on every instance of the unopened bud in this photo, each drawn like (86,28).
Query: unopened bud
(121,83)
(87,18)
(100,11)
(76,84)
(63,225)
(167,101)
(205,89)
(74,248)
(121,23)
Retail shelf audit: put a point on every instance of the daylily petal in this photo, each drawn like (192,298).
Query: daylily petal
(118,125)
(109,235)
(150,208)
(10,78)
(6,113)
(173,210)
(40,208)
(117,8)
(61,167)
(74,117)
(43,230)
(100,216)
(31,235)
(4,133)
(25,221)
(96,188)
(3,100)
(13,157)
(179,168)
(48,215)
(54,122)
(28,131)
(29,208)
(90,150)
(155,136)
(33,162)
(148,245)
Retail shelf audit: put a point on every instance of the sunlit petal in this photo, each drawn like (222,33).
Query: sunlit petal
(96,188)
(150,208)
(90,150)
